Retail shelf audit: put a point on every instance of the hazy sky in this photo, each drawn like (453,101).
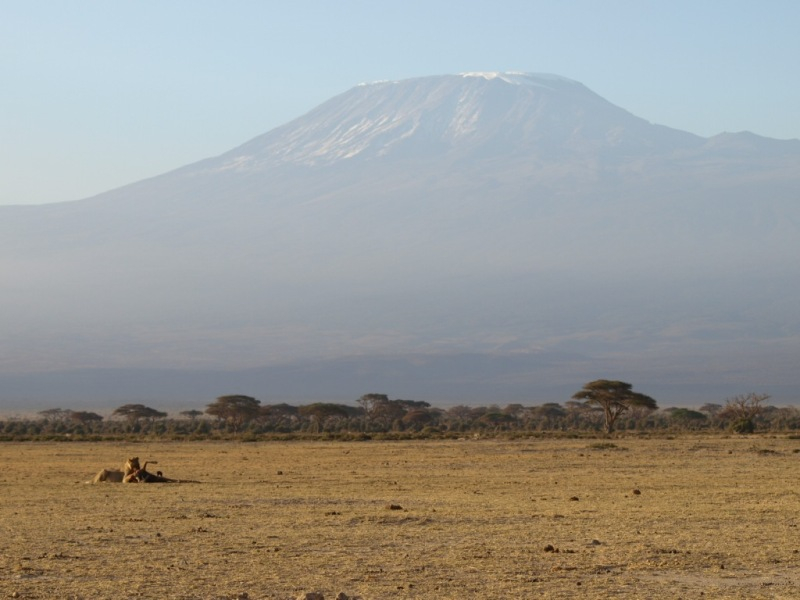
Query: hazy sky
(97,94)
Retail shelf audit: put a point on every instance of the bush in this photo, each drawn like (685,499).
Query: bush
(743,426)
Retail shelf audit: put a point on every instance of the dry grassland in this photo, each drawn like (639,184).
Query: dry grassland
(715,518)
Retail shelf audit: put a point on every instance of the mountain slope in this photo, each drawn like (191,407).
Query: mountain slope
(473,116)
(477,214)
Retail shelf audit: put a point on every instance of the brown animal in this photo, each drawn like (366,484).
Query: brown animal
(118,475)
(142,475)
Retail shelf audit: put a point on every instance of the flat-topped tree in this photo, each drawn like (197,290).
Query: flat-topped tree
(82,416)
(235,409)
(614,397)
(56,414)
(191,414)
(134,412)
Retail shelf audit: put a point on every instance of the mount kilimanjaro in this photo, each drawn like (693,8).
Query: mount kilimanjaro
(483,237)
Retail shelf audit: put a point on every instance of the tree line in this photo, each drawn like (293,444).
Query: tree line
(601,406)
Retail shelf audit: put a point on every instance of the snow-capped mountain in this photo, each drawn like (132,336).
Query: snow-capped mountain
(520,218)
(471,116)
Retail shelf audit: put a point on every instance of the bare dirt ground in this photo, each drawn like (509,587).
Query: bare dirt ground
(714,517)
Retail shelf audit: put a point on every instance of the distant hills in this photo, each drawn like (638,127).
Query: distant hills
(484,237)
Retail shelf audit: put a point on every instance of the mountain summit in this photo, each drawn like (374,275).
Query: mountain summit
(458,117)
(452,238)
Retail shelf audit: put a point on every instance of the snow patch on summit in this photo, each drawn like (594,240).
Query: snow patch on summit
(484,74)
(520,78)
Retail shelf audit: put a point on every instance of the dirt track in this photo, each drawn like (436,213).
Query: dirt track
(715,518)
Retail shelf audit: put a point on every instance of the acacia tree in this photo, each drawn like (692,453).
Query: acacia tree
(279,416)
(191,414)
(55,414)
(322,413)
(370,404)
(614,397)
(687,418)
(387,414)
(235,409)
(417,418)
(84,417)
(134,412)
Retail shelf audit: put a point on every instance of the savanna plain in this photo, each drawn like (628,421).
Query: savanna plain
(683,517)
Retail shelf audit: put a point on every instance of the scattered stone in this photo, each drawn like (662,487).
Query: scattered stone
(549,548)
(393,507)
(574,499)
(280,473)
(595,543)
(636,492)
(311,596)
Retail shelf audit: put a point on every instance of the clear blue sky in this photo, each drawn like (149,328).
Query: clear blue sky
(97,94)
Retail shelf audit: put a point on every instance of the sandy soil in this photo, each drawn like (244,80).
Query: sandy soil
(713,518)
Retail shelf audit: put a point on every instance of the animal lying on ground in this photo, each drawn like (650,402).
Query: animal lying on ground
(118,475)
(142,475)
(133,472)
